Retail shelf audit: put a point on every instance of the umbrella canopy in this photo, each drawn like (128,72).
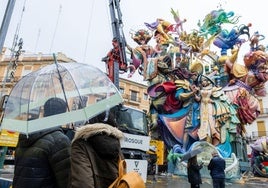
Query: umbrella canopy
(86,90)
(191,154)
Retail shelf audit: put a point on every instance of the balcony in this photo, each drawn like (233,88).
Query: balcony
(131,100)
(9,80)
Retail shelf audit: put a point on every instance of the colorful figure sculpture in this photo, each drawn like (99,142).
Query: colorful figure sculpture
(259,156)
(254,41)
(213,21)
(207,130)
(161,30)
(141,53)
(226,40)
(177,27)
(196,94)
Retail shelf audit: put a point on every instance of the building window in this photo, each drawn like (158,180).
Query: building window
(122,90)
(134,95)
(261,129)
(145,96)
(26,70)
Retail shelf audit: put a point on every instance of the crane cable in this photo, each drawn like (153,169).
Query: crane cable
(11,69)
(88,30)
(56,27)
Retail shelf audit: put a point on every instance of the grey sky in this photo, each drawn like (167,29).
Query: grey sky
(81,29)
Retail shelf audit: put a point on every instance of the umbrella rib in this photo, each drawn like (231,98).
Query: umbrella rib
(53,83)
(28,105)
(79,95)
(61,83)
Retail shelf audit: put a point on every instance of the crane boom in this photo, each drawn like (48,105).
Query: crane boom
(116,59)
(117,26)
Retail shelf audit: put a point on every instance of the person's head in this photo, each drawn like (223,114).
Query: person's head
(214,153)
(192,161)
(115,42)
(54,106)
(204,81)
(104,117)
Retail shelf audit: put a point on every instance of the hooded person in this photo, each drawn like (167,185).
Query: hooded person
(193,172)
(42,159)
(95,152)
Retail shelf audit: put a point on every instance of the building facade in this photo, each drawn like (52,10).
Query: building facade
(259,127)
(13,68)
(134,94)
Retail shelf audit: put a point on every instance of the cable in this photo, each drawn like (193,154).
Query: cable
(56,27)
(88,30)
(13,64)
(37,40)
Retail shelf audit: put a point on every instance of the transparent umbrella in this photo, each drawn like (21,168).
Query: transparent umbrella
(86,89)
(191,154)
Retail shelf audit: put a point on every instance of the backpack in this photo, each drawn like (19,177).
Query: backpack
(127,180)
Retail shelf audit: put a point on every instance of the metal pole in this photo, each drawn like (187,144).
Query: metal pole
(61,82)
(5,23)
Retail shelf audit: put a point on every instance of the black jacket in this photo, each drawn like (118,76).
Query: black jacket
(194,176)
(42,160)
(217,166)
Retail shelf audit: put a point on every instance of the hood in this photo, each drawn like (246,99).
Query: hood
(26,141)
(90,130)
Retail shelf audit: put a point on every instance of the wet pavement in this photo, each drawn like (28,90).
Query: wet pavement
(174,181)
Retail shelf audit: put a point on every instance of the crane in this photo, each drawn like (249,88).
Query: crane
(116,59)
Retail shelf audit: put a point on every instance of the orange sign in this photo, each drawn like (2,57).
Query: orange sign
(9,139)
(159,150)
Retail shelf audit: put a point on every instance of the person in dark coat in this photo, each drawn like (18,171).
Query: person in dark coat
(95,153)
(42,159)
(217,166)
(193,171)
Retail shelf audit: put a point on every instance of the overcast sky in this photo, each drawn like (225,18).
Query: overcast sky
(81,29)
